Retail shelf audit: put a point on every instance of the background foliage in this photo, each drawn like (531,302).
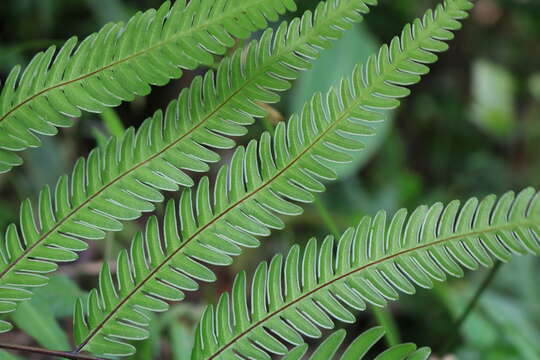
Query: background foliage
(470,129)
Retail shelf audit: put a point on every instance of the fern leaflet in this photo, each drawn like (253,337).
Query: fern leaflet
(119,62)
(359,348)
(262,181)
(370,264)
(123,180)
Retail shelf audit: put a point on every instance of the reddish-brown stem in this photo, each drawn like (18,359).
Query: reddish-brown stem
(52,353)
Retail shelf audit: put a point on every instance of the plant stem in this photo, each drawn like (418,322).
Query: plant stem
(327,218)
(382,315)
(35,350)
(268,126)
(470,307)
(385,319)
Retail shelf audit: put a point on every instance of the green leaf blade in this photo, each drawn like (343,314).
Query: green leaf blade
(79,77)
(290,155)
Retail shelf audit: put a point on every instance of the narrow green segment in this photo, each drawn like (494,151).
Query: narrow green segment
(357,350)
(118,63)
(124,179)
(370,264)
(263,180)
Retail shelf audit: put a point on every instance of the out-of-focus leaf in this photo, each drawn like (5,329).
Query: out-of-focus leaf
(516,279)
(355,46)
(46,164)
(101,138)
(38,316)
(112,122)
(480,332)
(48,297)
(493,91)
(187,311)
(112,125)
(110,10)
(534,86)
(518,328)
(149,348)
(4,355)
(502,326)
(6,215)
(40,324)
(181,341)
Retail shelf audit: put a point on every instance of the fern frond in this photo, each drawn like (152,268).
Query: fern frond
(119,62)
(371,263)
(261,182)
(123,180)
(359,348)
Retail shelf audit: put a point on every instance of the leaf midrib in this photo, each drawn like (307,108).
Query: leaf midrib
(128,58)
(305,38)
(148,160)
(367,266)
(403,56)
(224,213)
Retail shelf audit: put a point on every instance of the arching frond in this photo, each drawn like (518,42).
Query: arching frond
(371,263)
(122,181)
(358,349)
(262,181)
(119,62)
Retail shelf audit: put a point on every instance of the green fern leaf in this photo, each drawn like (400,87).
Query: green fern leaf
(370,264)
(261,182)
(119,62)
(123,180)
(358,349)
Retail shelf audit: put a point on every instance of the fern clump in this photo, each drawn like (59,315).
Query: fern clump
(370,264)
(214,218)
(123,180)
(261,182)
(150,49)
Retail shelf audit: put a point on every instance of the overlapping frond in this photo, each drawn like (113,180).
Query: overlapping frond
(119,62)
(370,263)
(359,348)
(123,180)
(263,180)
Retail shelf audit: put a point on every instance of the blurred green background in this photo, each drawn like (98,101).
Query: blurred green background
(469,129)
